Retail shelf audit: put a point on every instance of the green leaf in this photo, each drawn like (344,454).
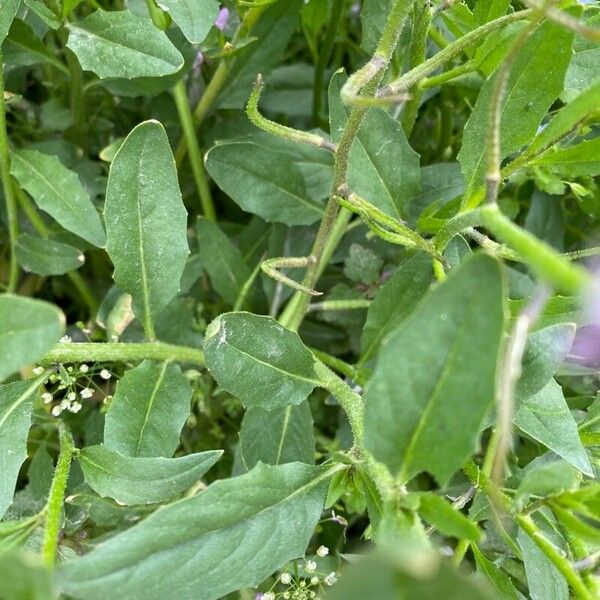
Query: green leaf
(544,581)
(222,260)
(488,10)
(8,11)
(232,535)
(135,480)
(434,379)
(546,417)
(527,100)
(22,576)
(279,436)
(24,47)
(383,168)
(148,411)
(545,351)
(257,360)
(547,476)
(28,329)
(120,44)
(193,17)
(146,222)
(373,16)
(44,13)
(498,578)
(395,301)
(567,119)
(262,182)
(58,191)
(46,257)
(573,161)
(362,265)
(16,403)
(437,511)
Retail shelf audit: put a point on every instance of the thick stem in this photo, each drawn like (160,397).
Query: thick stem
(191,141)
(54,507)
(117,352)
(9,199)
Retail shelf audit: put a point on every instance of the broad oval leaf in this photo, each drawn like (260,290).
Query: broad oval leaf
(142,480)
(58,191)
(257,360)
(395,301)
(120,44)
(262,182)
(279,436)
(193,17)
(148,411)
(16,402)
(435,376)
(146,222)
(232,535)
(47,257)
(28,329)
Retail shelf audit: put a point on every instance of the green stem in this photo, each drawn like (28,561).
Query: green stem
(119,352)
(460,551)
(556,558)
(191,142)
(340,305)
(454,226)
(339,365)
(38,223)
(434,81)
(243,294)
(9,199)
(337,12)
(159,18)
(54,507)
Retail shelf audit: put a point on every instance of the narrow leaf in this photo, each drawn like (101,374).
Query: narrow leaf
(120,44)
(279,436)
(434,379)
(16,402)
(8,11)
(233,535)
(46,257)
(193,17)
(573,161)
(28,329)
(445,518)
(130,480)
(257,360)
(146,222)
(58,191)
(148,411)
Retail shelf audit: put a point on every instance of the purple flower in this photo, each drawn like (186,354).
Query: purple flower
(222,19)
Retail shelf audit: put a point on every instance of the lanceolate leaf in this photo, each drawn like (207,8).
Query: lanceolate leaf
(47,257)
(232,535)
(8,11)
(546,417)
(28,329)
(58,191)
(257,360)
(573,161)
(222,260)
(193,17)
(263,182)
(148,411)
(146,220)
(131,480)
(527,99)
(434,379)
(16,402)
(395,301)
(277,436)
(120,44)
(444,517)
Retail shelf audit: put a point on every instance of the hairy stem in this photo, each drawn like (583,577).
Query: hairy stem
(54,507)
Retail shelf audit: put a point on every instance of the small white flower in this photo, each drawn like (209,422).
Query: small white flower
(286,595)
(65,404)
(86,392)
(286,578)
(65,339)
(47,397)
(322,551)
(303,584)
(38,370)
(75,407)
(84,368)
(56,410)
(314,581)
(268,596)
(105,374)
(71,396)
(69,369)
(331,579)
(311,566)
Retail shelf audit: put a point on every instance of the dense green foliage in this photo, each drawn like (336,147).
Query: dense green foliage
(295,291)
